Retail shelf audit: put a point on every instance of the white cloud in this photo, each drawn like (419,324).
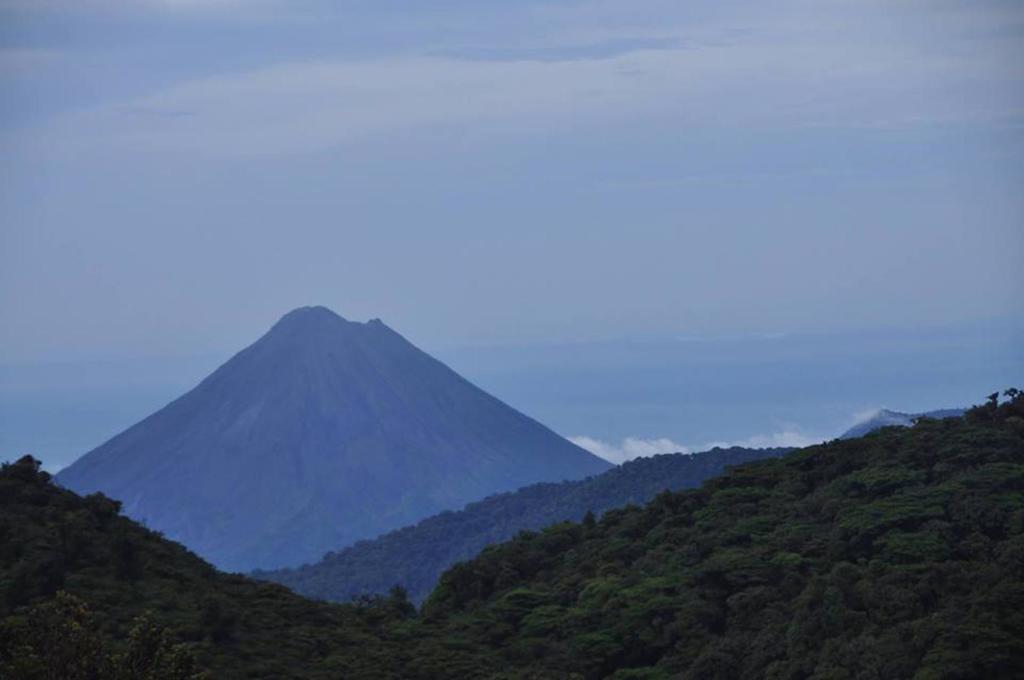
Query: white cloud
(310,106)
(783,75)
(640,447)
(629,448)
(864,416)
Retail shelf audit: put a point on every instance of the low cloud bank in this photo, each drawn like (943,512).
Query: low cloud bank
(639,447)
(629,448)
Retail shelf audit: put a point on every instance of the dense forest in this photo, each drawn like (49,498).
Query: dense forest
(415,557)
(77,580)
(897,555)
(900,554)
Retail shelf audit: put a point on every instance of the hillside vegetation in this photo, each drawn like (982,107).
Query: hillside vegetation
(415,557)
(70,564)
(897,555)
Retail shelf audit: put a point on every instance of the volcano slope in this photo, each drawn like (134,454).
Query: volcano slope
(323,432)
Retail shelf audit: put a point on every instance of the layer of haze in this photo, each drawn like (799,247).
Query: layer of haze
(532,176)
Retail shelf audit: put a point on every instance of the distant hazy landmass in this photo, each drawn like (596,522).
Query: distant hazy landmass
(887,418)
(321,433)
(415,557)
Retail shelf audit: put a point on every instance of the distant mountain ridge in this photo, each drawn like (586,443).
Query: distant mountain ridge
(414,557)
(886,418)
(321,433)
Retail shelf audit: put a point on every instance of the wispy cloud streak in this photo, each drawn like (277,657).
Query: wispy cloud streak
(640,447)
(787,74)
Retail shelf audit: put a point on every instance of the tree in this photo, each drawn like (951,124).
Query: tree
(152,656)
(398,602)
(59,639)
(56,639)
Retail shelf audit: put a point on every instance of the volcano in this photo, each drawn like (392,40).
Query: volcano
(321,433)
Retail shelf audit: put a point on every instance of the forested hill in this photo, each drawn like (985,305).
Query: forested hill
(415,557)
(86,594)
(897,555)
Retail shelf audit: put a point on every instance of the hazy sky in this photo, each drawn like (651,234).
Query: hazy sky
(176,174)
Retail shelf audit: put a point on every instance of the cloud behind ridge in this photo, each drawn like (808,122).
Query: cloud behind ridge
(641,447)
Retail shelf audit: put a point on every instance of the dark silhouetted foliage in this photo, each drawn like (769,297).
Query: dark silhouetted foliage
(86,593)
(58,639)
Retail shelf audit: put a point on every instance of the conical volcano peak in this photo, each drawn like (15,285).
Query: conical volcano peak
(305,325)
(321,433)
(316,314)
(310,334)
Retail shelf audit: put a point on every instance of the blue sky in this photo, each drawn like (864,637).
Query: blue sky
(176,174)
